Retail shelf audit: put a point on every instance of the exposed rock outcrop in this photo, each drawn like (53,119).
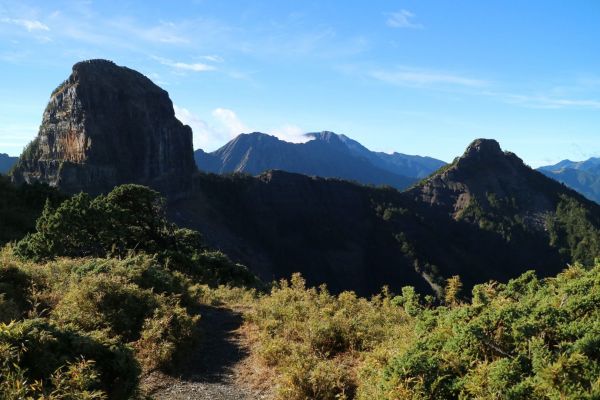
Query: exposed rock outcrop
(107,125)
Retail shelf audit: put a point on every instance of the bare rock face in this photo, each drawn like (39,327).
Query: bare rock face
(107,125)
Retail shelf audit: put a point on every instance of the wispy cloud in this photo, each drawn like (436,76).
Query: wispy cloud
(194,67)
(402,19)
(213,58)
(162,33)
(544,101)
(405,76)
(29,24)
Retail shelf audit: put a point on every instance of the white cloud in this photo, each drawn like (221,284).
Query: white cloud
(213,58)
(227,125)
(402,19)
(230,121)
(206,137)
(30,25)
(416,77)
(209,137)
(195,67)
(290,133)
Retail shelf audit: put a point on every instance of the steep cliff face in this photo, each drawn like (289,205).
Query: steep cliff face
(107,125)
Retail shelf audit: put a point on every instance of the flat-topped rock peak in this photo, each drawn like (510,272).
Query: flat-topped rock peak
(107,125)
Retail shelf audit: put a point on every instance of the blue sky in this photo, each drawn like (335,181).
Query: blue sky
(418,77)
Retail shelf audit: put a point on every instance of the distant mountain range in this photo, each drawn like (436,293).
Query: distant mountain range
(6,162)
(583,176)
(486,216)
(326,155)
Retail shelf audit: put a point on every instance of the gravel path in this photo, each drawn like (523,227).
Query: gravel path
(207,374)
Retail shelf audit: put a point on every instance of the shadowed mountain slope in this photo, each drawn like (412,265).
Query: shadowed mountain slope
(485,216)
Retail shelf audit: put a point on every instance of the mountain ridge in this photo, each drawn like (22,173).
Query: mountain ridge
(326,155)
(582,176)
(486,216)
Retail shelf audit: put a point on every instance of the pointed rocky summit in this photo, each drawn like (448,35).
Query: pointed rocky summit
(486,180)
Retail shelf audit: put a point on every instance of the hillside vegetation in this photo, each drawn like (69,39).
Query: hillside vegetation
(20,206)
(527,339)
(106,290)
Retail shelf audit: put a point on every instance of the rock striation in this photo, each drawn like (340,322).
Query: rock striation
(107,125)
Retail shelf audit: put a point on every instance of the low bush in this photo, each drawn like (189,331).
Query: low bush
(134,301)
(15,285)
(129,220)
(314,341)
(38,359)
(527,339)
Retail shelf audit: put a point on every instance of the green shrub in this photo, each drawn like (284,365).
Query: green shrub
(127,221)
(315,341)
(215,268)
(37,358)
(106,302)
(156,325)
(131,217)
(527,339)
(307,377)
(163,334)
(14,292)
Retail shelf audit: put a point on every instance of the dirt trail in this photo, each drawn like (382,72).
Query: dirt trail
(207,373)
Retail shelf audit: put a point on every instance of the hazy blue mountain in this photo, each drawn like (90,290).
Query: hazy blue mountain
(591,164)
(326,155)
(583,176)
(403,164)
(6,162)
